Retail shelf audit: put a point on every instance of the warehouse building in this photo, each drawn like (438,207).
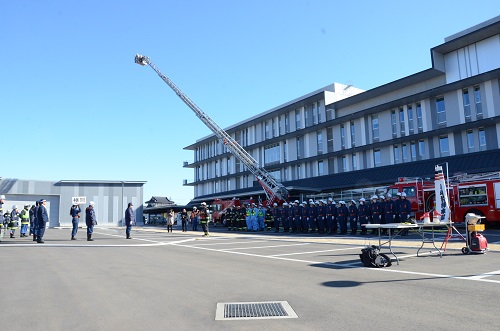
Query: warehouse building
(110,197)
(343,138)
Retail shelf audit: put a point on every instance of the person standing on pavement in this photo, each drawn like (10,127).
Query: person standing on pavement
(170,220)
(204,218)
(129,219)
(2,200)
(363,215)
(353,217)
(35,221)
(184,219)
(75,217)
(194,218)
(25,220)
(90,220)
(43,218)
(14,221)
(32,220)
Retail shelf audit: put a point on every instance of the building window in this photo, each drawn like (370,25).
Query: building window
(329,114)
(285,157)
(477,100)
(440,111)
(237,164)
(274,128)
(393,124)
(300,148)
(320,168)
(482,139)
(272,154)
(410,118)
(466,100)
(344,163)
(308,113)
(470,140)
(298,171)
(353,135)
(404,149)
(376,158)
(444,147)
(314,113)
(287,122)
(420,121)
(329,139)
(318,111)
(319,139)
(413,151)
(342,136)
(297,119)
(396,153)
(402,122)
(354,162)
(267,129)
(375,132)
(228,166)
(421,148)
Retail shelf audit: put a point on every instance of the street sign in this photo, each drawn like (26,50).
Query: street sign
(79,200)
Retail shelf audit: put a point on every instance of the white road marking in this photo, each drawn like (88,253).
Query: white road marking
(487,274)
(230,249)
(323,251)
(344,265)
(230,243)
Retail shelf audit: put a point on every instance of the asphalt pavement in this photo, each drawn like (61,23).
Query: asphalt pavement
(160,280)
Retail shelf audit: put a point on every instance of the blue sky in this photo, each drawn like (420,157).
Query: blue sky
(73,105)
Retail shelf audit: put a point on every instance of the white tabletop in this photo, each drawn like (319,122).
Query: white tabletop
(390,226)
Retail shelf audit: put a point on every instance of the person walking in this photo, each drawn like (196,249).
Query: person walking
(43,218)
(204,218)
(129,219)
(90,220)
(75,217)
(184,219)
(170,220)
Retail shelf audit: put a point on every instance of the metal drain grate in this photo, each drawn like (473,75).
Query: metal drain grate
(254,310)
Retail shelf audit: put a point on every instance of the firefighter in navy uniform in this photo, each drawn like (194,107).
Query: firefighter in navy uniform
(388,209)
(291,216)
(304,218)
(375,212)
(363,215)
(32,220)
(14,221)
(342,214)
(297,211)
(312,213)
(321,217)
(330,215)
(284,217)
(404,211)
(240,220)
(353,217)
(269,219)
(397,207)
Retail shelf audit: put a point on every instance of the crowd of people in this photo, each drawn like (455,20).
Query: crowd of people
(320,216)
(34,219)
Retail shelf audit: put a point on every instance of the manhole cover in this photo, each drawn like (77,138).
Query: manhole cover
(254,310)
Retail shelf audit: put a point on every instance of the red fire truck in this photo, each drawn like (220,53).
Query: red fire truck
(475,193)
(219,207)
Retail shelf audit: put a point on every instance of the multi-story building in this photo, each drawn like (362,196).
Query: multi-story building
(340,137)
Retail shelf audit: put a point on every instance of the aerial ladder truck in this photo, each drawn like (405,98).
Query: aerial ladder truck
(274,190)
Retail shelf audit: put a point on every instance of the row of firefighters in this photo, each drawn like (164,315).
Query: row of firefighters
(320,216)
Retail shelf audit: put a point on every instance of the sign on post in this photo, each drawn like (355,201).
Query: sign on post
(79,200)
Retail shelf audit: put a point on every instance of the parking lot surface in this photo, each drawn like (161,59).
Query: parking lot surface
(160,280)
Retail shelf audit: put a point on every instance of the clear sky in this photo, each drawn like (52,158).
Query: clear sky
(73,105)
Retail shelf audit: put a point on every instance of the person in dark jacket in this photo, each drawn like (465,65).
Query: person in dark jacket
(43,218)
(90,220)
(75,217)
(129,219)
(353,217)
(32,220)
